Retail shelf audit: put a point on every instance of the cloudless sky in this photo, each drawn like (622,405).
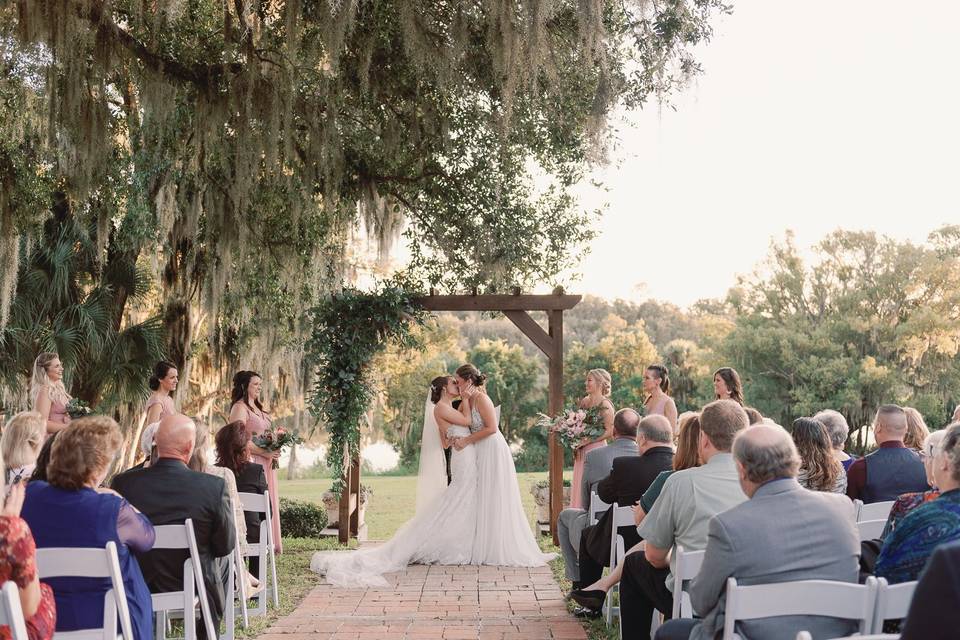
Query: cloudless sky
(809,116)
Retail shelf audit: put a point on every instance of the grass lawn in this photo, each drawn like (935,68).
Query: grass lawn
(393,503)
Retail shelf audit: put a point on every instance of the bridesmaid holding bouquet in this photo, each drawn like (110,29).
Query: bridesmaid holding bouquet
(246,408)
(598,387)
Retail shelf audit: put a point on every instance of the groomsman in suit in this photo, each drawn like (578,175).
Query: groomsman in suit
(596,467)
(168,493)
(629,478)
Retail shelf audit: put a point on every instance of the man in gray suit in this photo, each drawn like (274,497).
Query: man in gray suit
(596,467)
(782,533)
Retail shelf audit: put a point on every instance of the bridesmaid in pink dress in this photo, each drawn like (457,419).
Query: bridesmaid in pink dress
(247,409)
(163,383)
(48,396)
(656,384)
(598,385)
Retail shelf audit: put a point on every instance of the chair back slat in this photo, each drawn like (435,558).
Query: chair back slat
(11,613)
(893,602)
(687,567)
(622,516)
(171,536)
(870,529)
(255,502)
(805,597)
(874,511)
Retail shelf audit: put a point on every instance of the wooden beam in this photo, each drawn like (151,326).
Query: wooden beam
(344,524)
(555,451)
(355,492)
(532,330)
(497,302)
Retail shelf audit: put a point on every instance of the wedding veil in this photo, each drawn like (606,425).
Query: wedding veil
(432,479)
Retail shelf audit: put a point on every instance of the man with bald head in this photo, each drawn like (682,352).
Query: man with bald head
(892,469)
(168,492)
(782,533)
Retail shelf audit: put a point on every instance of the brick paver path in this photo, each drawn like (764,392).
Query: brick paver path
(435,602)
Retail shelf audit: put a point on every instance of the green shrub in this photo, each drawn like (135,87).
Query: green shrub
(302,519)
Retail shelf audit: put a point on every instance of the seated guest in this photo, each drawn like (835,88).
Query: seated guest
(890,470)
(839,431)
(233,453)
(169,493)
(819,469)
(596,467)
(71,510)
(19,564)
(917,430)
(754,416)
(23,437)
(679,516)
(756,543)
(935,607)
(686,457)
(908,547)
(909,501)
(199,462)
(629,478)
(43,459)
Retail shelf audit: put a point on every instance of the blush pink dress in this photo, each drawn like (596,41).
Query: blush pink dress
(163,407)
(257,424)
(58,411)
(579,458)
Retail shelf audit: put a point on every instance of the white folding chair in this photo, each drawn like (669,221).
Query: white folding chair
(263,550)
(622,517)
(77,562)
(597,508)
(11,613)
(870,529)
(194,592)
(801,598)
(239,574)
(687,567)
(893,602)
(873,511)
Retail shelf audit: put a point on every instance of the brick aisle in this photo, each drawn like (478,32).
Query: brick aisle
(435,602)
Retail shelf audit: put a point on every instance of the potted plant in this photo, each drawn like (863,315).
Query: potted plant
(331,502)
(541,495)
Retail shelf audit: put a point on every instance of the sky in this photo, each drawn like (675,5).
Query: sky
(810,116)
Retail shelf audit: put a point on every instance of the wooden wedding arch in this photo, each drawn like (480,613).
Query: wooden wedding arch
(516,307)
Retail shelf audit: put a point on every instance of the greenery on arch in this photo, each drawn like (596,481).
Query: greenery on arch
(349,330)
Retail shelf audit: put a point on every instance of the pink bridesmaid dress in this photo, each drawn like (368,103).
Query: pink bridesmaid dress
(257,424)
(163,407)
(58,411)
(578,461)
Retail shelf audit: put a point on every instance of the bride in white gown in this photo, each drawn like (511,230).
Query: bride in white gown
(477,519)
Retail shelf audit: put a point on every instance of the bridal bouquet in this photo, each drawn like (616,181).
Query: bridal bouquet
(276,440)
(78,409)
(574,425)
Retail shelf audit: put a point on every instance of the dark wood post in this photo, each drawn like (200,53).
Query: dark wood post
(344,525)
(556,406)
(355,494)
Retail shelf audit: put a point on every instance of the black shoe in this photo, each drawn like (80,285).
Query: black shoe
(589,599)
(586,612)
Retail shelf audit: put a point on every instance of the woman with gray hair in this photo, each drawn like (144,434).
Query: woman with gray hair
(907,502)
(909,546)
(838,429)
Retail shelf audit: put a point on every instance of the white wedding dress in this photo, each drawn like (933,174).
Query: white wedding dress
(477,519)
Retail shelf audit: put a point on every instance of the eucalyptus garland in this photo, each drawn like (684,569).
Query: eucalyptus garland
(349,330)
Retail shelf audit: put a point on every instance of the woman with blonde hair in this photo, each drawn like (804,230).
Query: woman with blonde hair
(22,440)
(48,396)
(917,430)
(598,387)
